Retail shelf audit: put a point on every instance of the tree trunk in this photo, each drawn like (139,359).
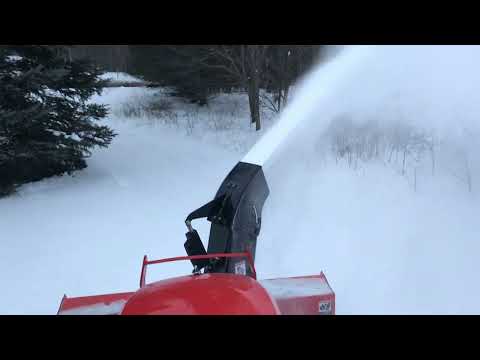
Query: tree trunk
(285,95)
(254,100)
(279,100)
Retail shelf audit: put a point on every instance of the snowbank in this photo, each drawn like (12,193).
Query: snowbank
(119,77)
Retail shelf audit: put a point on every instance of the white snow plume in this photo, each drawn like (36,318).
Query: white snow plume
(317,88)
(385,245)
(430,87)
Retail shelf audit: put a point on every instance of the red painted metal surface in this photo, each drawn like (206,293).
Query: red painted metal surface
(146,262)
(207,294)
(212,294)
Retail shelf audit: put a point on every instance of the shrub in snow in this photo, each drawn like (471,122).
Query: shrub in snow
(145,105)
(46,123)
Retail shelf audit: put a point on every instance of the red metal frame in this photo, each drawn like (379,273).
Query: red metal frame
(145,263)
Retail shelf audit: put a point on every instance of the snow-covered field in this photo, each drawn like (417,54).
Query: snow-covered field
(88,234)
(385,247)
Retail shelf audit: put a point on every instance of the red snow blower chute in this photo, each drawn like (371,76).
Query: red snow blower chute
(224,280)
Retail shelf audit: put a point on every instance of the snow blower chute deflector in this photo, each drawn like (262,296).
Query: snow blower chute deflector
(224,280)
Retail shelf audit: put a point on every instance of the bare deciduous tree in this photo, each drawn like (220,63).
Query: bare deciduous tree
(244,64)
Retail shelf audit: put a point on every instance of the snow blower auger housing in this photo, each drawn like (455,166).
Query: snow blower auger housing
(224,279)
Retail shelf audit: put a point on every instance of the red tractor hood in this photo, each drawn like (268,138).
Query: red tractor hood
(207,294)
(213,294)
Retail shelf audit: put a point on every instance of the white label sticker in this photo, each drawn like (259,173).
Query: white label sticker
(240,268)
(324,307)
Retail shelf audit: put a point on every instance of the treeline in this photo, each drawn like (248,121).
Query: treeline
(197,72)
(114,58)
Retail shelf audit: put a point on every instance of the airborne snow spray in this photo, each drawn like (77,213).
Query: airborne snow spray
(385,247)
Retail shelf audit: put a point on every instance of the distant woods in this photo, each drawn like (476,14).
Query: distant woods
(198,72)
(115,58)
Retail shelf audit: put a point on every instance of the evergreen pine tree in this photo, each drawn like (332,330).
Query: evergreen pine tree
(47,125)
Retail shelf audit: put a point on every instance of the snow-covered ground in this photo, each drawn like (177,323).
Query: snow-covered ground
(119,77)
(87,234)
(384,246)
